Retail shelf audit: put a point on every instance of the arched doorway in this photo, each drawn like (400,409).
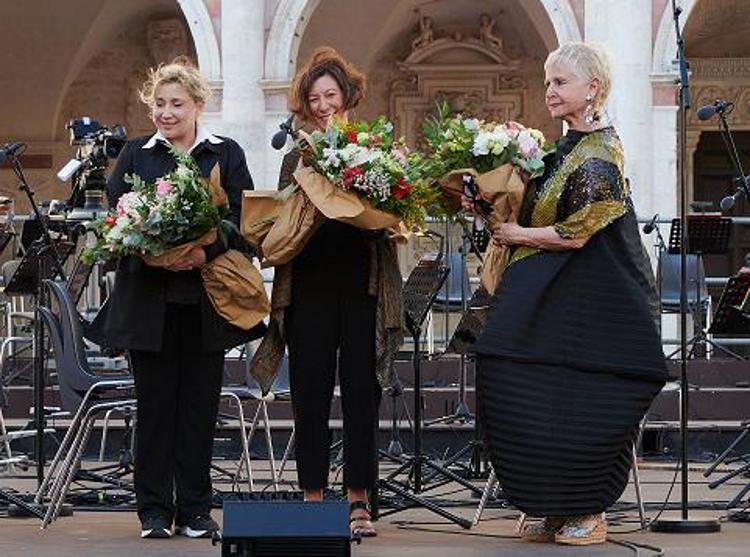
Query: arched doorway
(717,48)
(84,58)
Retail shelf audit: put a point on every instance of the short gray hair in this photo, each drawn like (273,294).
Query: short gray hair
(586,60)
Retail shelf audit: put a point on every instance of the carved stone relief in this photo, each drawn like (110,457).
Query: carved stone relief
(473,75)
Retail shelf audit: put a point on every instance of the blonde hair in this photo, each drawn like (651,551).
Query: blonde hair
(180,70)
(588,61)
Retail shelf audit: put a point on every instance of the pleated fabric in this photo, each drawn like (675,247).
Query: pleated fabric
(560,439)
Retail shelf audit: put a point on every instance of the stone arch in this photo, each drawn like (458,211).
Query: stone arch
(204,37)
(563,20)
(287,28)
(665,45)
(292,16)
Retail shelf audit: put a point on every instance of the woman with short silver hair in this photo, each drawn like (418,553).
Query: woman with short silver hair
(570,359)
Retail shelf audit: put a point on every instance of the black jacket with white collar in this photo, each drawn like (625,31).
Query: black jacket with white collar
(133,316)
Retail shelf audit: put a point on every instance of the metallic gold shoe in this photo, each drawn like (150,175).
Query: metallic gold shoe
(575,532)
(542,532)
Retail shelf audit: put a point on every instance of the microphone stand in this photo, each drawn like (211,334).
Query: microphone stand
(739,173)
(683,525)
(39,354)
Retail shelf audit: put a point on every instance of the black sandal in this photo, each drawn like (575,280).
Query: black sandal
(361,526)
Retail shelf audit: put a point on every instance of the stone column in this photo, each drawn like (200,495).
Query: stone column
(665,194)
(243,104)
(691,146)
(625,29)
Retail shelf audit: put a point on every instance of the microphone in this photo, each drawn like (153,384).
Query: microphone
(11,149)
(279,138)
(719,106)
(729,201)
(648,228)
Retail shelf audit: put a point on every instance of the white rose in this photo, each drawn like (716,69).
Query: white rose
(471,124)
(481,145)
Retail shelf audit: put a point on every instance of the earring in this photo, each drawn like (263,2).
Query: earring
(589,98)
(591,116)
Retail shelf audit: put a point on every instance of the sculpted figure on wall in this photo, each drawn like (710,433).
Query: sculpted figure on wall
(487,32)
(425,35)
(166,39)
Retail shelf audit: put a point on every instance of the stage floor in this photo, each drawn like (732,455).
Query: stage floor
(414,533)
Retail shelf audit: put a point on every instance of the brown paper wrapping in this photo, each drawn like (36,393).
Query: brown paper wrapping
(173,255)
(503,188)
(341,205)
(260,209)
(232,283)
(296,222)
(235,288)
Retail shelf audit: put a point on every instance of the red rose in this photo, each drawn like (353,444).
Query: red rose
(110,220)
(349,175)
(401,189)
(351,136)
(376,139)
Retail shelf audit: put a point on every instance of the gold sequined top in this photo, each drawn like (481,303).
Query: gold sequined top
(582,191)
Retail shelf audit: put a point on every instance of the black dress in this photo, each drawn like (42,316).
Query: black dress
(570,359)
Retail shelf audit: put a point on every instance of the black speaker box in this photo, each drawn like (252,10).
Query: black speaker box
(286,529)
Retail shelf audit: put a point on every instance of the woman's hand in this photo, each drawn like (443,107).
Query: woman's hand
(545,238)
(194,259)
(507,233)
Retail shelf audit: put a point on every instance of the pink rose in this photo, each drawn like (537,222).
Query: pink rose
(527,145)
(513,128)
(163,187)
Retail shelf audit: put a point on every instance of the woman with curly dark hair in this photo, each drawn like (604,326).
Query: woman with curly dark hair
(330,308)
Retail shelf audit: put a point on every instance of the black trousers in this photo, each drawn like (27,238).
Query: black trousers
(178,400)
(330,324)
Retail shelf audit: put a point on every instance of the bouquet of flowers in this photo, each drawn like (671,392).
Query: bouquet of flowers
(162,221)
(178,209)
(365,160)
(493,161)
(456,142)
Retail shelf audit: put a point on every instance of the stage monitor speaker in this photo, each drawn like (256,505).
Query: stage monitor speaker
(286,529)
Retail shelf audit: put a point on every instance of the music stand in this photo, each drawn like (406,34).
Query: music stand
(706,234)
(732,318)
(420,291)
(79,278)
(731,315)
(38,263)
(5,237)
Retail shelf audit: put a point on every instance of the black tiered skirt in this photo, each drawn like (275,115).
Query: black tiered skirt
(560,439)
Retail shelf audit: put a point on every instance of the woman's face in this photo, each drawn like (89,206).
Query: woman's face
(566,94)
(175,113)
(325,100)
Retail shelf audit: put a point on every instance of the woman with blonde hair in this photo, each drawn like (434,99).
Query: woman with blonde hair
(570,359)
(164,318)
